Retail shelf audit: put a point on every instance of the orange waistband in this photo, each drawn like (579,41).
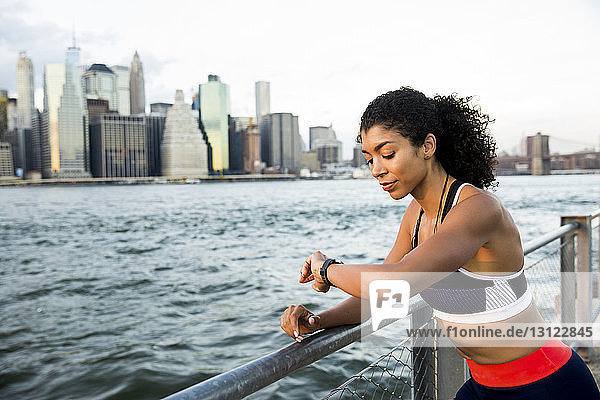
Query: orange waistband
(541,363)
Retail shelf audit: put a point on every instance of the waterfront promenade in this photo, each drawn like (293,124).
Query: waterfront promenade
(217,178)
(155,180)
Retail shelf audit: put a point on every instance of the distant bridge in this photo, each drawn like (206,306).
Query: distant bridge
(539,161)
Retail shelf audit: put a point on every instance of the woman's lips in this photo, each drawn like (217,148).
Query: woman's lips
(388,186)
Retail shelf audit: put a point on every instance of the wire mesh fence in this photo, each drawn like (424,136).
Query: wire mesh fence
(595,237)
(403,373)
(544,276)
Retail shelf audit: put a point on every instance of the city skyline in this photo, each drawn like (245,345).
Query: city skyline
(531,66)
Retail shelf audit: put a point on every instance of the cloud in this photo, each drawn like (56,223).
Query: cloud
(42,42)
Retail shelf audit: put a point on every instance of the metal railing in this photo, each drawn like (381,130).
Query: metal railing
(419,372)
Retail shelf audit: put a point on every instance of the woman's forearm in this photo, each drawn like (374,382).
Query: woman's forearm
(349,311)
(354,279)
(438,256)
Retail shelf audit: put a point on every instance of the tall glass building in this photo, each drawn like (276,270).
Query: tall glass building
(214,111)
(122,85)
(100,82)
(25,89)
(281,143)
(262,91)
(54,80)
(73,125)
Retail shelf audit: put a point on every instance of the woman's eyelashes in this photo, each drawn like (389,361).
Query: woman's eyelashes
(387,157)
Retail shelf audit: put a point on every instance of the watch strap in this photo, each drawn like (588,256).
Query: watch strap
(323,270)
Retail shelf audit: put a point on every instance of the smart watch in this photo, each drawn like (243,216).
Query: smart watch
(323,270)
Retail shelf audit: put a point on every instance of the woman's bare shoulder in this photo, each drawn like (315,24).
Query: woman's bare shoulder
(470,191)
(473,199)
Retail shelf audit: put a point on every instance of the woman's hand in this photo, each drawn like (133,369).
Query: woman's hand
(311,271)
(297,321)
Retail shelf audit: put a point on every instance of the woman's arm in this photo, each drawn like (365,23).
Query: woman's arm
(468,226)
(351,310)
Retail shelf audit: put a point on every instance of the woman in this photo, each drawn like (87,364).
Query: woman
(438,151)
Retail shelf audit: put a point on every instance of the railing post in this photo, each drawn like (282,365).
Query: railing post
(423,359)
(583,267)
(597,215)
(567,281)
(583,294)
(584,264)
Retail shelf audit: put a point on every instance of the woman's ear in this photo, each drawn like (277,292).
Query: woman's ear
(429,146)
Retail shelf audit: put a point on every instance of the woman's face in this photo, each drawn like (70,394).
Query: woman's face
(394,161)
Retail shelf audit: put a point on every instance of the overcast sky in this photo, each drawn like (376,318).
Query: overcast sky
(532,65)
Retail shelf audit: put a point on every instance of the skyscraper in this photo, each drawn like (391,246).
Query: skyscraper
(136,86)
(238,129)
(122,86)
(73,125)
(34,144)
(25,139)
(358,157)
(6,161)
(118,146)
(3,111)
(183,151)
(16,138)
(214,111)
(25,90)
(155,132)
(54,80)
(72,53)
(251,151)
(100,83)
(262,91)
(281,144)
(11,114)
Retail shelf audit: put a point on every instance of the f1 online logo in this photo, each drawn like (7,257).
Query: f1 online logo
(388,299)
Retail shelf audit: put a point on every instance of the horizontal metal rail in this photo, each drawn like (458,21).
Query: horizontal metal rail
(535,244)
(595,214)
(248,378)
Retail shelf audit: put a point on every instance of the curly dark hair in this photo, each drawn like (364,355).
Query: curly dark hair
(463,145)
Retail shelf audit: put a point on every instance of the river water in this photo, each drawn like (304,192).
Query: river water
(138,291)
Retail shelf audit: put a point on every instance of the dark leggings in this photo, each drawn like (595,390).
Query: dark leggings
(572,381)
